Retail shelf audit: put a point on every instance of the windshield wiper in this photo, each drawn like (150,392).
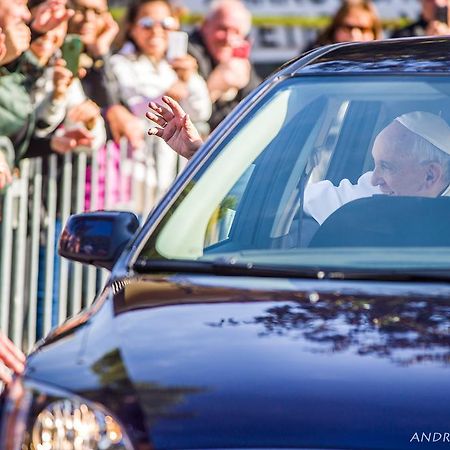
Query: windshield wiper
(391,275)
(233,267)
(222,266)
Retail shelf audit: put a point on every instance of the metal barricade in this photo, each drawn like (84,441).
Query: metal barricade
(38,289)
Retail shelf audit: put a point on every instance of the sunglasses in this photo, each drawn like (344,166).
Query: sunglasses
(349,28)
(147,23)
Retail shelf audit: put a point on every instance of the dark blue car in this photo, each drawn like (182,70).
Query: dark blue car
(290,291)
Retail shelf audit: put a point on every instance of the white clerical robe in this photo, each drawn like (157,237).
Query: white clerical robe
(323,198)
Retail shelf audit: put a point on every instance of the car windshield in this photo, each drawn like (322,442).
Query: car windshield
(347,172)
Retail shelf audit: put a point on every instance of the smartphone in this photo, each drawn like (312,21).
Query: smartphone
(71,51)
(178,45)
(242,50)
(441,14)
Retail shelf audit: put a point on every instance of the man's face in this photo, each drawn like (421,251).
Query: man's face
(13,12)
(224,31)
(88,20)
(397,172)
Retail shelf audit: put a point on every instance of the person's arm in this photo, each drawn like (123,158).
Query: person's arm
(12,357)
(51,110)
(87,113)
(6,161)
(49,14)
(175,127)
(100,83)
(196,102)
(321,199)
(119,119)
(60,142)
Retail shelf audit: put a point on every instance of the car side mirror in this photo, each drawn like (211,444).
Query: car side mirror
(97,238)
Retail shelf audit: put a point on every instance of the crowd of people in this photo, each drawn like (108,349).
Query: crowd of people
(55,110)
(47,106)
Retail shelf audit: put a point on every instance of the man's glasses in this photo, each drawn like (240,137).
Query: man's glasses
(148,23)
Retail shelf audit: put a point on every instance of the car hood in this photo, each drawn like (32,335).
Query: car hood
(222,362)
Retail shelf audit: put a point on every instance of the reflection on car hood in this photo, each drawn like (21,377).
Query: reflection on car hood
(222,362)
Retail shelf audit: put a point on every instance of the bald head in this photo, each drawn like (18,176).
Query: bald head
(226,24)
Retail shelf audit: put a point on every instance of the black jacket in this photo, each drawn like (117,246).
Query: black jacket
(100,84)
(415,29)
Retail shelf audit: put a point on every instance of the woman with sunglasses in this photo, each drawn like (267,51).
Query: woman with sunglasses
(144,74)
(354,21)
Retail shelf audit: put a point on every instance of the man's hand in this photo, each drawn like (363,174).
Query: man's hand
(175,127)
(71,139)
(185,67)
(5,172)
(12,357)
(62,77)
(124,124)
(85,113)
(50,14)
(103,42)
(17,40)
(232,74)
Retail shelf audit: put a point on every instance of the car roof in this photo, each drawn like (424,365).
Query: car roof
(426,55)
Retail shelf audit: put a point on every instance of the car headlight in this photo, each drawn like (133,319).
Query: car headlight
(37,417)
(69,424)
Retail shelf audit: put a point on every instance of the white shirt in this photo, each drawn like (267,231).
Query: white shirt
(141,81)
(323,198)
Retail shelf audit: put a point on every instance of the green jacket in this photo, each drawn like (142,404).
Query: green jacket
(16,110)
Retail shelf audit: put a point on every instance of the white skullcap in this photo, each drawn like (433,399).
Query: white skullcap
(429,126)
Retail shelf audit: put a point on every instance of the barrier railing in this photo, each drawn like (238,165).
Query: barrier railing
(38,289)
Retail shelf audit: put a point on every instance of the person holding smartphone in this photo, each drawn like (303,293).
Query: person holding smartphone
(433,21)
(97,29)
(222,50)
(147,68)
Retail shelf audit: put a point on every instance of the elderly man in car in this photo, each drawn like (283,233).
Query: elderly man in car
(411,156)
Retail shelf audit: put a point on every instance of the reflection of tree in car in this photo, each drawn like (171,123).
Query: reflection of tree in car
(403,331)
(217,228)
(145,403)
